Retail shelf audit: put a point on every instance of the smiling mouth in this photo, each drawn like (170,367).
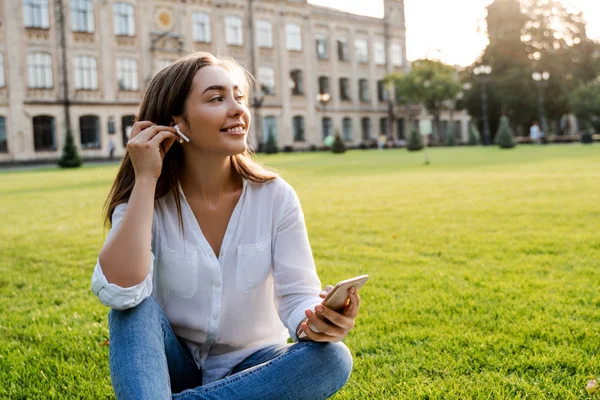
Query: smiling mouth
(238,130)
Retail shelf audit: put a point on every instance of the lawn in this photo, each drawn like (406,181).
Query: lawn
(484,271)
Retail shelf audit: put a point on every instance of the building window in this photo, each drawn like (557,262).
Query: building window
(2,81)
(35,14)
(264,33)
(327,127)
(344,89)
(347,129)
(458,130)
(362,50)
(365,124)
(293,34)
(39,70)
(89,131)
(379,55)
(298,123)
(234,31)
(297,88)
(162,64)
(127,73)
(124,20)
(322,50)
(401,129)
(383,126)
(201,23)
(382,94)
(266,79)
(127,122)
(86,75)
(43,133)
(82,15)
(269,128)
(343,54)
(3,139)
(396,55)
(363,89)
(323,84)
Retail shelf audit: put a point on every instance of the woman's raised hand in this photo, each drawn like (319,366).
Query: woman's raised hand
(147,146)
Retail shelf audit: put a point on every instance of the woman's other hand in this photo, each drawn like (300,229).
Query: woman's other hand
(147,147)
(333,326)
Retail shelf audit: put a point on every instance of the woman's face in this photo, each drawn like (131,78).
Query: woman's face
(217,117)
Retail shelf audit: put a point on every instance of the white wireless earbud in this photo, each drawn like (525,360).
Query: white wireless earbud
(182,136)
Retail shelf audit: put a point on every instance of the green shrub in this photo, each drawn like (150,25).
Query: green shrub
(504,136)
(338,145)
(70,157)
(271,145)
(473,135)
(415,141)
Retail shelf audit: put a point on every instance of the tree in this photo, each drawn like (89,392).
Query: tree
(473,135)
(504,137)
(70,157)
(430,83)
(585,102)
(415,141)
(338,145)
(271,145)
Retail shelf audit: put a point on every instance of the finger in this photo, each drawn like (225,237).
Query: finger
(147,134)
(139,126)
(351,309)
(160,136)
(317,337)
(343,321)
(324,327)
(325,291)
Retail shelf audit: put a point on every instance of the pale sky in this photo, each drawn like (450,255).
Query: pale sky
(452,31)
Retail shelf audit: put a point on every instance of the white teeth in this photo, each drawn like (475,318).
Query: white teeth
(236,129)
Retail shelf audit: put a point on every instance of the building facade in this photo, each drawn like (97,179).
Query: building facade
(84,65)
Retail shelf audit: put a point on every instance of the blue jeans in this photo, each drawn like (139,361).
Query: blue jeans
(148,361)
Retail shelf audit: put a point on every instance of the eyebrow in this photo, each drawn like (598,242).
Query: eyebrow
(219,88)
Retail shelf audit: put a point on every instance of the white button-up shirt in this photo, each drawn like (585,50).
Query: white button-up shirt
(226,308)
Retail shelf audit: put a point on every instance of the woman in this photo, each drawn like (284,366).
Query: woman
(208,261)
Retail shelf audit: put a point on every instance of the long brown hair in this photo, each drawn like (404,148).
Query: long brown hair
(164,98)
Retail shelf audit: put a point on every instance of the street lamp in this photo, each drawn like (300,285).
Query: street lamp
(483,73)
(541,81)
(324,98)
(257,102)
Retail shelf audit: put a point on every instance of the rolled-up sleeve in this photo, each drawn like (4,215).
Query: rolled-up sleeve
(115,296)
(297,285)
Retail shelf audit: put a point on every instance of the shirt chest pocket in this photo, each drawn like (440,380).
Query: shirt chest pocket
(178,272)
(254,264)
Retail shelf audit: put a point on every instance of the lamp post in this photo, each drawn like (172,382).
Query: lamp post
(324,98)
(541,81)
(257,102)
(483,72)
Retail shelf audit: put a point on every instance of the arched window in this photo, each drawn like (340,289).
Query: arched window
(3,139)
(298,128)
(366,128)
(89,131)
(347,128)
(126,125)
(327,127)
(269,128)
(43,133)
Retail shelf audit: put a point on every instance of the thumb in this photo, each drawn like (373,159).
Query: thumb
(325,291)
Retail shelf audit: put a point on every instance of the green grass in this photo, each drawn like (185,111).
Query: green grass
(484,271)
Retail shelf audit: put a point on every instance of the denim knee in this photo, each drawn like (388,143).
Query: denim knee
(338,357)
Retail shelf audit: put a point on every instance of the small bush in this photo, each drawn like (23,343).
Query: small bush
(504,136)
(70,157)
(415,141)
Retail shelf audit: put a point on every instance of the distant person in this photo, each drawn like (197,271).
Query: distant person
(535,133)
(207,266)
(111,149)
(381,141)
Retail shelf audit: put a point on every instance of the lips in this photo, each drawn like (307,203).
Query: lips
(239,130)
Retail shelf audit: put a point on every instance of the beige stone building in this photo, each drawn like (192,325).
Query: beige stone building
(85,64)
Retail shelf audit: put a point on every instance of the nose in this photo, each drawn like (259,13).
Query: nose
(237,110)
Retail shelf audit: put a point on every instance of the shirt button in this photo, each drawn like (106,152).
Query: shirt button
(215,316)
(217,284)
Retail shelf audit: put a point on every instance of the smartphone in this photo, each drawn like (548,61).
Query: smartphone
(336,299)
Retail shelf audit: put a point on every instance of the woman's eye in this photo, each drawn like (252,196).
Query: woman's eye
(240,97)
(216,98)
